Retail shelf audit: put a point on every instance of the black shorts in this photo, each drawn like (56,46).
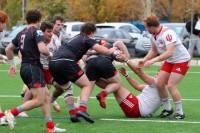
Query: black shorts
(32,76)
(100,67)
(64,71)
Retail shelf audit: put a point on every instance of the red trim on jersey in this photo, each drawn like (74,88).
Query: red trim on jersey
(158,32)
(37,85)
(57,34)
(80,72)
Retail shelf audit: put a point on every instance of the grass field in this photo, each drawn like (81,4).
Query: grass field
(111,119)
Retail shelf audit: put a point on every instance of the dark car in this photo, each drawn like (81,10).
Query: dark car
(113,35)
(6,40)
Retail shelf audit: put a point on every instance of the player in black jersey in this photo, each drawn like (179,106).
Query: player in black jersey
(31,43)
(64,67)
(100,66)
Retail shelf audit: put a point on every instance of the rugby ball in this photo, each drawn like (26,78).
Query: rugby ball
(115,54)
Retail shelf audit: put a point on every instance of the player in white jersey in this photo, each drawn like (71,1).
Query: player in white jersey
(143,105)
(176,63)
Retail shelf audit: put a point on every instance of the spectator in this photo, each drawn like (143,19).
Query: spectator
(194,36)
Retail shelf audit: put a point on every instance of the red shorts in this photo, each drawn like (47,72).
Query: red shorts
(180,68)
(47,75)
(130,106)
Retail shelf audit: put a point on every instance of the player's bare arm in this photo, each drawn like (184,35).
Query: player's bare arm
(43,49)
(103,50)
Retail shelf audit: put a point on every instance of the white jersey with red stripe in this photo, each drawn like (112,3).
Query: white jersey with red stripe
(53,46)
(165,37)
(149,100)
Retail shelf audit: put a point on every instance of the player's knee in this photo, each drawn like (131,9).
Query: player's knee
(67,86)
(68,93)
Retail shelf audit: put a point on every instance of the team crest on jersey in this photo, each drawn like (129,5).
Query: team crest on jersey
(39,33)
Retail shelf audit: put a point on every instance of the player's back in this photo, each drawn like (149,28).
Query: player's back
(27,41)
(149,100)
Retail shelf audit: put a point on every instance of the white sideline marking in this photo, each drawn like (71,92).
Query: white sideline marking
(17,96)
(155,121)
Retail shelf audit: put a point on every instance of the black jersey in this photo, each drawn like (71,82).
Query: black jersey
(75,48)
(101,55)
(27,41)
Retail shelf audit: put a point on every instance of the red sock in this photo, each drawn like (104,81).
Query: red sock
(103,94)
(2,114)
(82,108)
(72,112)
(50,125)
(14,111)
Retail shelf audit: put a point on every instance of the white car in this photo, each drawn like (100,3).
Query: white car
(130,28)
(70,29)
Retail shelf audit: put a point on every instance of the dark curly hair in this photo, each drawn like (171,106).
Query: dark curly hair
(33,16)
(88,28)
(46,25)
(55,18)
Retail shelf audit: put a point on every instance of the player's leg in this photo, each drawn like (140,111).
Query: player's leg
(86,89)
(162,79)
(69,100)
(173,82)
(178,72)
(114,84)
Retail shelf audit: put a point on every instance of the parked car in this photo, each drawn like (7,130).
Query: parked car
(143,44)
(7,39)
(130,28)
(113,35)
(70,29)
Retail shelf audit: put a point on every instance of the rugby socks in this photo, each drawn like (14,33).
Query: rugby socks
(71,109)
(83,106)
(2,114)
(179,108)
(16,111)
(103,93)
(167,104)
(49,122)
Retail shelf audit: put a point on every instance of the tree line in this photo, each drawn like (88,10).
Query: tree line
(102,10)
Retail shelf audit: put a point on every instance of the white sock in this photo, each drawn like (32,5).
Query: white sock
(179,108)
(167,104)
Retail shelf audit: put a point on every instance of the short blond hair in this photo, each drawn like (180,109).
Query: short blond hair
(151,20)
(3,17)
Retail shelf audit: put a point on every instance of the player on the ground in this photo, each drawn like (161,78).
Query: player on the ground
(64,67)
(143,105)
(176,59)
(31,43)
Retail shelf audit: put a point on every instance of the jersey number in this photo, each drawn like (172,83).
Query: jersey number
(22,41)
(169,38)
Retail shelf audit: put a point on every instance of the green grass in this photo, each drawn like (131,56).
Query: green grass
(189,89)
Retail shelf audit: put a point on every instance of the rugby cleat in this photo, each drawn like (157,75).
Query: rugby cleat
(3,121)
(55,130)
(101,100)
(10,119)
(85,116)
(166,113)
(74,118)
(55,106)
(178,116)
